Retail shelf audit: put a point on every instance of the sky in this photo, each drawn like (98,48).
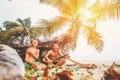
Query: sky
(110,29)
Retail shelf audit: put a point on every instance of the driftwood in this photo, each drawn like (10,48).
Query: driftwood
(87,77)
(64,75)
(88,66)
(112,73)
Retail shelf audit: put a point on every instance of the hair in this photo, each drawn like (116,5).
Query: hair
(35,39)
(54,44)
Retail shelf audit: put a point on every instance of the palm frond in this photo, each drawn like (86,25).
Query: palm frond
(88,15)
(52,26)
(21,22)
(10,24)
(52,2)
(27,22)
(67,8)
(9,33)
(69,40)
(109,9)
(102,11)
(94,38)
(35,32)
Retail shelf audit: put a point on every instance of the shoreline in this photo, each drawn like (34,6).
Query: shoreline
(107,62)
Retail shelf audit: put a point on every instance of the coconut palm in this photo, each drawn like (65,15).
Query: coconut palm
(19,30)
(0,28)
(83,16)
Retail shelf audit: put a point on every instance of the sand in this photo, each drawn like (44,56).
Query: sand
(78,73)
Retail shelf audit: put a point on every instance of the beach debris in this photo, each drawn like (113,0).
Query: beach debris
(90,72)
(88,66)
(71,64)
(49,66)
(64,75)
(76,68)
(87,77)
(113,73)
(39,73)
(30,77)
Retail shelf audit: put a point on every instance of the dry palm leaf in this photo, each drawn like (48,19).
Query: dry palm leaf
(64,75)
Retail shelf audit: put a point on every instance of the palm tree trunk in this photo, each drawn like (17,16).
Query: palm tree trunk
(22,39)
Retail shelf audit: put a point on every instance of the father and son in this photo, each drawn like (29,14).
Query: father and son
(32,54)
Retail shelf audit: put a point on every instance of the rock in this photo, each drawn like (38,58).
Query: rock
(11,65)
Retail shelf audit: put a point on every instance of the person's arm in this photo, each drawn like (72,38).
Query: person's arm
(27,59)
(47,54)
(61,54)
(36,55)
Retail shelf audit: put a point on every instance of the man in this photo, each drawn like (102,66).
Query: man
(32,54)
(52,55)
(11,65)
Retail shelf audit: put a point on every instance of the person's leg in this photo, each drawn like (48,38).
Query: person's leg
(48,62)
(43,66)
(44,60)
(61,62)
(40,66)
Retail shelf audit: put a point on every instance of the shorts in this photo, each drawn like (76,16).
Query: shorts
(28,65)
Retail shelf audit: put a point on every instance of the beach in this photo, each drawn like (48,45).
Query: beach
(79,73)
(96,74)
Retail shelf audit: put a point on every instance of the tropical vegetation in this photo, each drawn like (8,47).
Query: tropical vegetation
(18,31)
(82,16)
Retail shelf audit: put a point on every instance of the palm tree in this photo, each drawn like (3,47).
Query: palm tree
(82,16)
(1,28)
(19,30)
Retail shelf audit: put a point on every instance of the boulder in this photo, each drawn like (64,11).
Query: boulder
(11,65)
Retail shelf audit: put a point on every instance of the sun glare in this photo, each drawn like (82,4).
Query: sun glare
(86,13)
